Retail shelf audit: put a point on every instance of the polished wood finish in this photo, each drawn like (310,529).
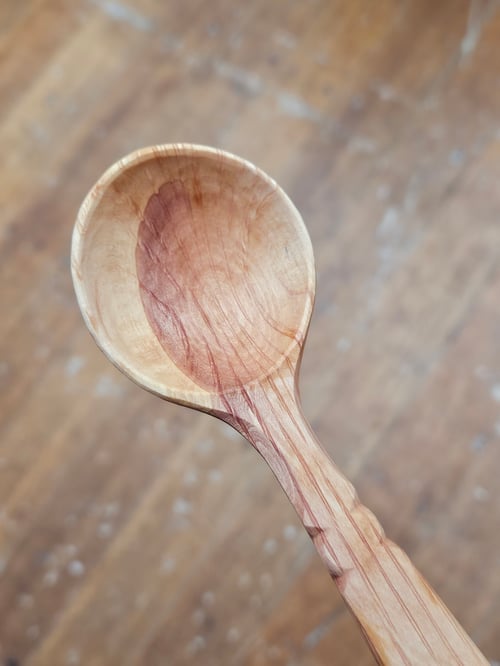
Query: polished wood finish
(123,537)
(195,276)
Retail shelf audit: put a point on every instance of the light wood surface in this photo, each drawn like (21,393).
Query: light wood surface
(381,122)
(195,275)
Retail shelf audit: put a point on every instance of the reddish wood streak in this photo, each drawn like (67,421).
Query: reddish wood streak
(204,273)
(312,482)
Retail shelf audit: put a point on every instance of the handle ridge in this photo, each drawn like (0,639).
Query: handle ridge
(403,619)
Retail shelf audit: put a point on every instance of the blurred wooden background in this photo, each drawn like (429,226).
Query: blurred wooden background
(136,532)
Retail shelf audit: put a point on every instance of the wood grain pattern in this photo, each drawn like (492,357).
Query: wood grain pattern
(225,283)
(381,122)
(402,619)
(204,258)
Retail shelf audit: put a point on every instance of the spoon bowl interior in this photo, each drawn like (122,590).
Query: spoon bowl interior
(194,271)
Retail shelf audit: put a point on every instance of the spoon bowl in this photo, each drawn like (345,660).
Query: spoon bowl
(174,251)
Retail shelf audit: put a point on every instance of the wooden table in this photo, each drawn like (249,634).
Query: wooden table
(136,532)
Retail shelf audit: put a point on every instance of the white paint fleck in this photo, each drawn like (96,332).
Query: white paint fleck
(56,71)
(102,458)
(76,568)
(70,519)
(386,254)
(105,530)
(9,523)
(344,344)
(190,477)
(168,564)
(456,157)
(270,546)
(244,580)
(33,632)
(107,387)
(198,617)
(437,131)
(179,524)
(115,610)
(315,635)
(111,509)
(479,442)
(386,92)
(72,657)
(357,102)
(205,446)
(480,494)
(285,39)
(193,60)
(495,392)
(42,352)
(144,432)
(50,578)
(362,144)
(73,365)
(182,507)
(142,600)
(50,560)
(290,532)
(247,81)
(212,29)
(160,427)
(171,43)
(233,635)
(71,108)
(39,133)
(123,14)
(389,224)
(473,29)
(481,372)
(208,598)
(415,485)
(235,40)
(321,57)
(70,550)
(215,475)
(383,192)
(25,601)
(197,644)
(266,581)
(51,180)
(295,107)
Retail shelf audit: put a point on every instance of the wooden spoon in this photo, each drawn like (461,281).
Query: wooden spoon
(195,275)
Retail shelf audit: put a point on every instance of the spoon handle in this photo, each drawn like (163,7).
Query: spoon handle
(402,618)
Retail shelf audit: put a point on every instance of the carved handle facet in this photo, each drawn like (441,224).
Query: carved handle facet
(402,618)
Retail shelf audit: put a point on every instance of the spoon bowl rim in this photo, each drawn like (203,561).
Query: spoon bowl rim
(201,397)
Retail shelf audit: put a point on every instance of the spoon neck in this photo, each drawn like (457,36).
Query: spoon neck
(269,415)
(264,411)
